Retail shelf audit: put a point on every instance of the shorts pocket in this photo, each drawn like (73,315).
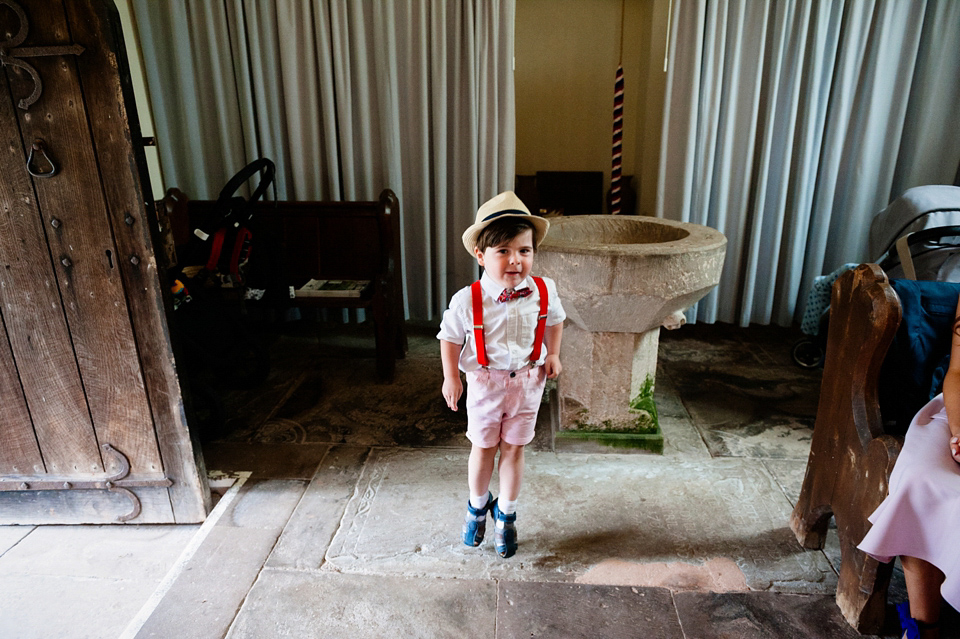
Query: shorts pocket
(536,379)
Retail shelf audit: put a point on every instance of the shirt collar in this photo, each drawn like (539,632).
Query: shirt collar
(493,289)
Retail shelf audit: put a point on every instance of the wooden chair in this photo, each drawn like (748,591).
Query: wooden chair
(883,356)
(340,241)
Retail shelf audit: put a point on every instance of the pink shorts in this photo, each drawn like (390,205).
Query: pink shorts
(503,405)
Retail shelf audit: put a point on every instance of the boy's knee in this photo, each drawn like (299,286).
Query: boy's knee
(510,450)
(482,451)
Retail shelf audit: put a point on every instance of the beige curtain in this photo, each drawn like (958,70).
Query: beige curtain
(347,97)
(790,124)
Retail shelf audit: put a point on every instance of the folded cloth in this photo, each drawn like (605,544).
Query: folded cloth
(818,300)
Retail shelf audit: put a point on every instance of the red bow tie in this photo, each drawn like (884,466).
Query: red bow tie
(508,295)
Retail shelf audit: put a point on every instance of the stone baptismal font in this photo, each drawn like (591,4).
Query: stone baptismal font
(621,278)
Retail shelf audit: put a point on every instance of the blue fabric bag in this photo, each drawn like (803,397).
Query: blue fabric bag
(913,370)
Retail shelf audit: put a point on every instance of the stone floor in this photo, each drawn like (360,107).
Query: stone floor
(343,518)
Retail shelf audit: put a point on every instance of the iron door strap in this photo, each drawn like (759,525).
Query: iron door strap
(115,483)
(11,53)
(38,147)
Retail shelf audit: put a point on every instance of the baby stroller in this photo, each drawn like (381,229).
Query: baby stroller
(916,237)
(211,286)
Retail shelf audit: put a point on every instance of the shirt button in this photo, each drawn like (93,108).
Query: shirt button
(513,373)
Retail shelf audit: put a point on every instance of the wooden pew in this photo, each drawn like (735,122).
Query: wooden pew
(851,457)
(339,241)
(888,347)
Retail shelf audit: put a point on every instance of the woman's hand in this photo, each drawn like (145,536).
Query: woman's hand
(955,448)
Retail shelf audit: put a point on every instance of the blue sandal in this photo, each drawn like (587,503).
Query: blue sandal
(505,535)
(911,626)
(473,529)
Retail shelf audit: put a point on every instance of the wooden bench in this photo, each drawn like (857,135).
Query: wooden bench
(339,241)
(874,381)
(851,457)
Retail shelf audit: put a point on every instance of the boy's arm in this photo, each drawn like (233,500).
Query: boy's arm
(452,386)
(553,336)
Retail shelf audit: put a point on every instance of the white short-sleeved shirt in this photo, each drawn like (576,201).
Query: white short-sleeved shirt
(508,327)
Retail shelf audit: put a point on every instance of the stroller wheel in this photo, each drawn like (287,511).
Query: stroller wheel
(807,353)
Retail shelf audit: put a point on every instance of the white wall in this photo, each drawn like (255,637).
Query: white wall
(566,60)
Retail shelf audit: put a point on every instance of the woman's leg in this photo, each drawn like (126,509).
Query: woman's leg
(511,471)
(923,589)
(480,469)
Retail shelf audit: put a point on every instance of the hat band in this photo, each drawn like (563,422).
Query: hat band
(505,212)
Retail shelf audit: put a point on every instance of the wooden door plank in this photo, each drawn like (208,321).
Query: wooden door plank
(34,320)
(19,451)
(116,140)
(83,247)
(82,507)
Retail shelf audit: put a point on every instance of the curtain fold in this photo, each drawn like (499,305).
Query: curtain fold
(931,120)
(347,98)
(190,78)
(790,124)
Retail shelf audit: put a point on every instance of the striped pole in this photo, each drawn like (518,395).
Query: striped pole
(617,142)
(615,166)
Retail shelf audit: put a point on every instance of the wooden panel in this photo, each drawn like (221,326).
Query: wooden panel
(90,282)
(19,452)
(82,507)
(116,138)
(339,240)
(353,255)
(300,238)
(34,320)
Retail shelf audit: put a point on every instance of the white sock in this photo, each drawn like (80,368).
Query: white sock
(479,502)
(507,507)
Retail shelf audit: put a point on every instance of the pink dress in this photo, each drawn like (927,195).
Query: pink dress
(921,515)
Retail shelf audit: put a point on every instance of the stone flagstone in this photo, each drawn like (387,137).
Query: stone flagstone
(83,581)
(308,605)
(761,615)
(576,511)
(551,610)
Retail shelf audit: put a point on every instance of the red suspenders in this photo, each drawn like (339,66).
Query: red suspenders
(478,322)
(541,320)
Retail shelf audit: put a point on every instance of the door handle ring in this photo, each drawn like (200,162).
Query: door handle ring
(39,148)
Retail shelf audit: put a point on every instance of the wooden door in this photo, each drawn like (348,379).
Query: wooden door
(92,427)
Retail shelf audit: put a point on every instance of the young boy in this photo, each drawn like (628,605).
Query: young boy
(499,332)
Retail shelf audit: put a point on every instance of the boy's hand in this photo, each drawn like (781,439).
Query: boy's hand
(552,364)
(452,389)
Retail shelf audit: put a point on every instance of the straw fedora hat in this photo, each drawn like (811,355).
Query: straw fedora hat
(507,204)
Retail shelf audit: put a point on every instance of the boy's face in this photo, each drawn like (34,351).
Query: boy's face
(509,264)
